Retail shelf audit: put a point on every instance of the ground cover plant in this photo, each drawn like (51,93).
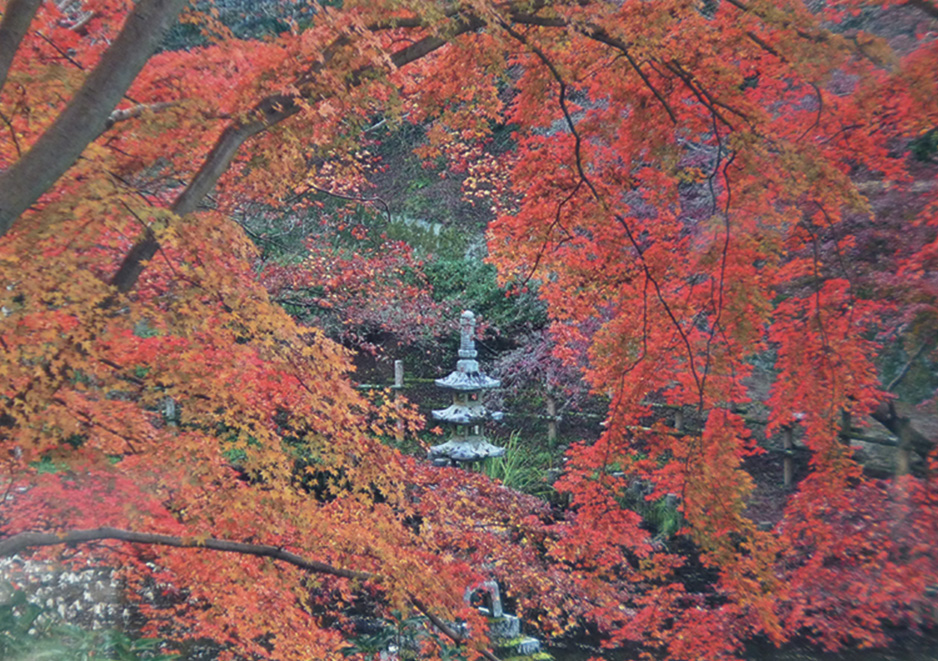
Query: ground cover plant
(696,188)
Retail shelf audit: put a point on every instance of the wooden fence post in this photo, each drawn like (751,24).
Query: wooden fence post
(788,447)
(398,386)
(846,421)
(398,374)
(904,451)
(551,419)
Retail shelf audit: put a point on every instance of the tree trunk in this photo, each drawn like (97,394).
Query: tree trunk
(16,19)
(86,115)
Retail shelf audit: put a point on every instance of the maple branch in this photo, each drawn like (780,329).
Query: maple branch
(550,229)
(136,111)
(446,629)
(697,91)
(718,306)
(71,60)
(58,49)
(905,369)
(583,177)
(817,37)
(350,198)
(269,112)
(25,540)
(660,296)
(619,45)
(16,142)
(847,273)
(822,330)
(86,114)
(16,19)
(89,420)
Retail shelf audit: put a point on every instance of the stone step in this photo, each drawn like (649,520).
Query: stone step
(528,645)
(522,645)
(505,627)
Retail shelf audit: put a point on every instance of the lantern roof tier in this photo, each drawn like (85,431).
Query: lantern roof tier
(471,448)
(460,380)
(462,414)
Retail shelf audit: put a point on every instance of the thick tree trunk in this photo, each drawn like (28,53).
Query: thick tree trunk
(16,19)
(86,115)
(270,111)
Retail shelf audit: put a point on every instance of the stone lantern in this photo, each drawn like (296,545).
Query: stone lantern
(466,415)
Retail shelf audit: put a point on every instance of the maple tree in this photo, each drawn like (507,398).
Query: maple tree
(682,179)
(364,295)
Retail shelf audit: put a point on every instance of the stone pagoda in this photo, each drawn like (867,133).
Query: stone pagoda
(466,414)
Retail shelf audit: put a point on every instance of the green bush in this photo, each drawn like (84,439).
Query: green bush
(471,283)
(521,468)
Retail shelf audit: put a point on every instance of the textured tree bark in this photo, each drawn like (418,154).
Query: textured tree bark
(16,19)
(86,115)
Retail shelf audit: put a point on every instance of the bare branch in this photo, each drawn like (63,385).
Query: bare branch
(136,111)
(905,369)
(26,540)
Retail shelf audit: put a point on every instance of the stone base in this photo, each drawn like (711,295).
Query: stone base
(520,646)
(505,627)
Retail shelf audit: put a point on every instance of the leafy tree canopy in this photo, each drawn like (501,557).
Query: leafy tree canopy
(689,183)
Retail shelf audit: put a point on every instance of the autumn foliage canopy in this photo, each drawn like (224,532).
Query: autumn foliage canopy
(690,186)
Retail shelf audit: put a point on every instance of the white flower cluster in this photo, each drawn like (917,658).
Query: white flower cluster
(91,597)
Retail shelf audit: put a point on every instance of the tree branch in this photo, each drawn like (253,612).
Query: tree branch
(26,540)
(445,628)
(905,369)
(267,113)
(16,19)
(600,36)
(135,111)
(87,113)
